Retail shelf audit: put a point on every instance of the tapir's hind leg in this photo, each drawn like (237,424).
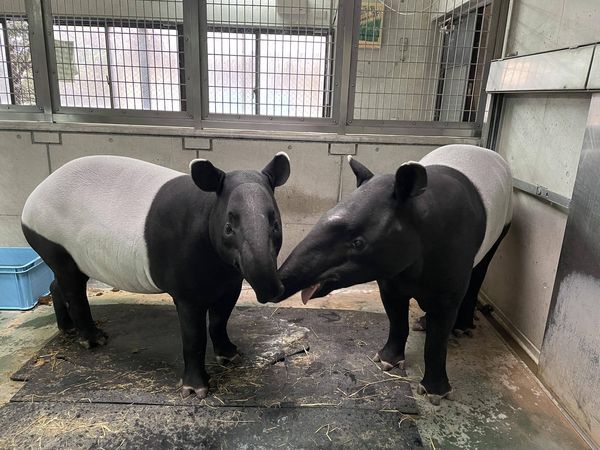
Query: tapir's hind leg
(63,319)
(464,320)
(70,287)
(72,284)
(218,313)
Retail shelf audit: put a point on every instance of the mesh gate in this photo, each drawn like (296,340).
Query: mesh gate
(122,55)
(272,58)
(16,72)
(421,60)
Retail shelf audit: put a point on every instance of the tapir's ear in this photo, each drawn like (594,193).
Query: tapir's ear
(206,176)
(360,171)
(411,180)
(278,170)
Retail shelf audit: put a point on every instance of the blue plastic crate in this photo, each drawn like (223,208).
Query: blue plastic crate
(24,277)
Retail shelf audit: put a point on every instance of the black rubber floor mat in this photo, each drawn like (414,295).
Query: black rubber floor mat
(291,357)
(77,425)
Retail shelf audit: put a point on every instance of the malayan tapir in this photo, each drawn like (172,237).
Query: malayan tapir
(144,228)
(427,232)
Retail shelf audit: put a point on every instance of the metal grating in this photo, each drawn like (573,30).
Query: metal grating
(421,60)
(121,55)
(16,72)
(271,58)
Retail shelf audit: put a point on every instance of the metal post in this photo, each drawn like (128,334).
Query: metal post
(345,64)
(191,52)
(39,60)
(202,96)
(50,54)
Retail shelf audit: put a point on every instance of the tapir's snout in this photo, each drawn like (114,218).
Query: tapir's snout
(270,295)
(259,268)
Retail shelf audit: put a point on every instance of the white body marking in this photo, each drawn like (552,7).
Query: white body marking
(490,175)
(96,208)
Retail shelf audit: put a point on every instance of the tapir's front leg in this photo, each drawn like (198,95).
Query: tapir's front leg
(435,381)
(218,313)
(192,319)
(396,307)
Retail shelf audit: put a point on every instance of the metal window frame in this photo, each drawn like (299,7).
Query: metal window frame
(262,121)
(63,114)
(463,129)
(194,71)
(33,112)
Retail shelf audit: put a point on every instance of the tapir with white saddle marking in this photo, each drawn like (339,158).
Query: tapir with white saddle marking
(427,232)
(144,228)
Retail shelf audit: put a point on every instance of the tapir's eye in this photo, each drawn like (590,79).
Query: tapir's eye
(228,229)
(358,244)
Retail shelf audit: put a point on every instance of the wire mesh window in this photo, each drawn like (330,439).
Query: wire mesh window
(16,72)
(271,58)
(126,57)
(421,60)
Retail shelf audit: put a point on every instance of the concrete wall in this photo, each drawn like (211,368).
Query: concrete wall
(320,173)
(541,25)
(541,138)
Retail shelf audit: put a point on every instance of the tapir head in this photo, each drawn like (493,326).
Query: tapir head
(245,225)
(372,234)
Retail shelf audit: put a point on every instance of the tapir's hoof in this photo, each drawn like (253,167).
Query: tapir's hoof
(435,399)
(457,332)
(99,338)
(201,392)
(223,360)
(68,331)
(386,366)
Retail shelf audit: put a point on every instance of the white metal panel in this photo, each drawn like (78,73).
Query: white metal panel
(594,78)
(552,71)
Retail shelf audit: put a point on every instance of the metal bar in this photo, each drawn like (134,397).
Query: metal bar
(349,14)
(506,28)
(11,81)
(489,51)
(542,192)
(39,59)
(124,117)
(143,67)
(491,121)
(50,53)
(110,68)
(203,36)
(256,77)
(189,54)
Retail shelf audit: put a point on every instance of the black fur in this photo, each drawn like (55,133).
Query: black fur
(204,233)
(417,234)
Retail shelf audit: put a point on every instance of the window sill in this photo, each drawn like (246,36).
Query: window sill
(223,133)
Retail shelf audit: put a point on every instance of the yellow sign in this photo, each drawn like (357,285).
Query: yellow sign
(371,24)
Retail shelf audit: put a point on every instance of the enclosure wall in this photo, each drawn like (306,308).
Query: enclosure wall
(541,135)
(320,172)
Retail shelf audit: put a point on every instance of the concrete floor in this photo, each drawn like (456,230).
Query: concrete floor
(499,403)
